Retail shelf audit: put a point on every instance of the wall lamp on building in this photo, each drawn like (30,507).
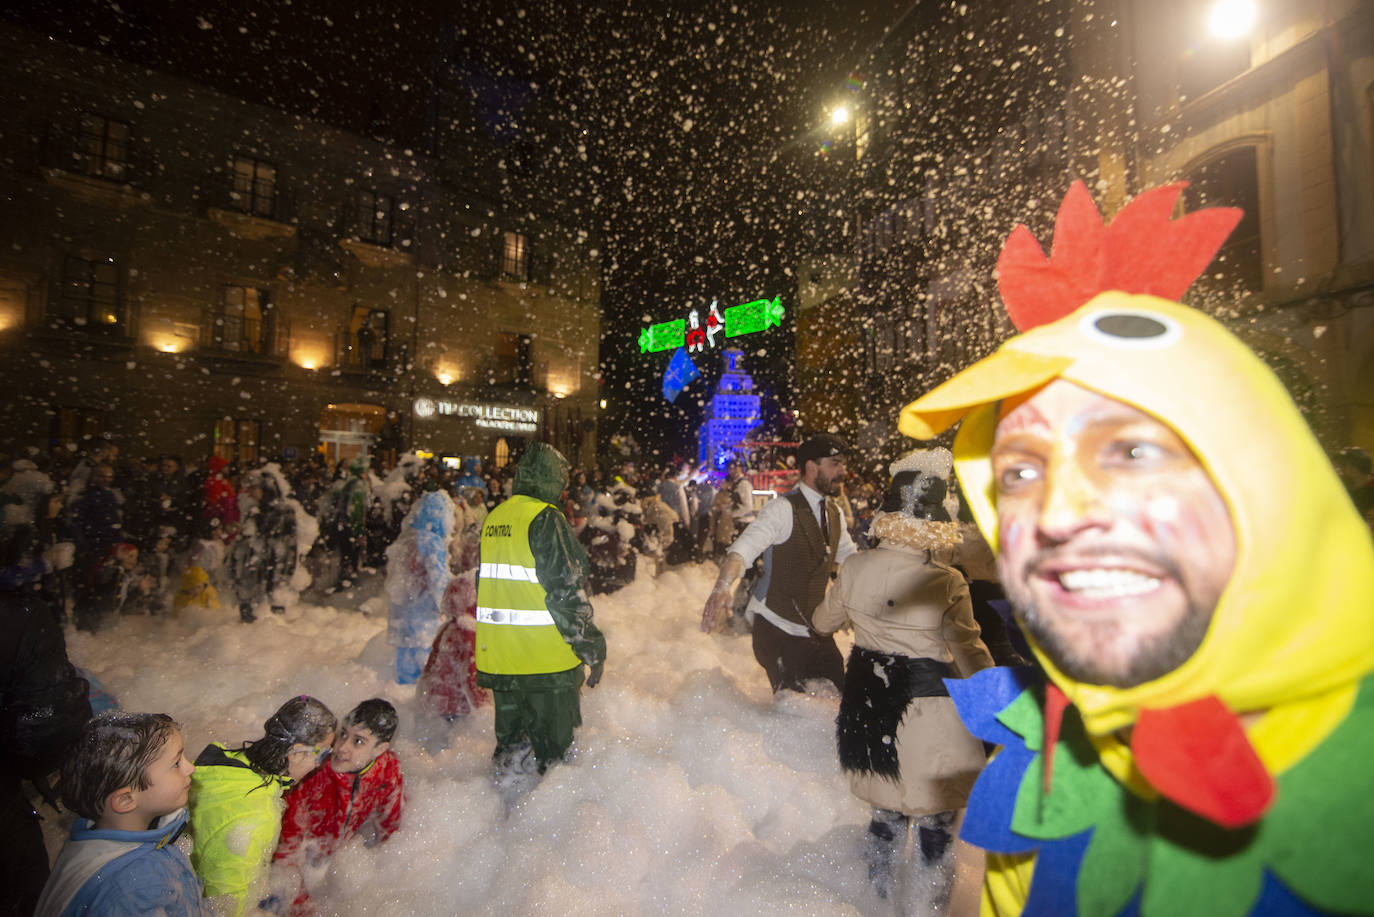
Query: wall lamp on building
(308,360)
(168,343)
(1231,18)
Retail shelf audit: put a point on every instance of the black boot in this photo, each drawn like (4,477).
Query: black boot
(246,613)
(883,846)
(278,609)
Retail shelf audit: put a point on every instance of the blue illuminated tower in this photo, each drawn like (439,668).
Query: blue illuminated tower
(734,412)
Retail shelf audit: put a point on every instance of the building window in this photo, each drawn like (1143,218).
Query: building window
(502,452)
(513,360)
(90,295)
(365,342)
(1232,180)
(238,440)
(104,147)
(244,322)
(515,256)
(375,218)
(255,186)
(76,426)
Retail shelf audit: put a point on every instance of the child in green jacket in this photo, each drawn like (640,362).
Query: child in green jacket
(236,801)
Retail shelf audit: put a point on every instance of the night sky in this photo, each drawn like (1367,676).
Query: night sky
(699,122)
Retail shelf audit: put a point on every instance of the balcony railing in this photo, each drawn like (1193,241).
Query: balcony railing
(352,355)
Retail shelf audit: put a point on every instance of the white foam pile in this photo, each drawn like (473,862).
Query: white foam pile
(692,791)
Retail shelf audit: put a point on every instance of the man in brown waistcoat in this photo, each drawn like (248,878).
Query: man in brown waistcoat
(805,537)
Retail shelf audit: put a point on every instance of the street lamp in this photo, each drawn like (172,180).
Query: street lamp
(839,116)
(1231,18)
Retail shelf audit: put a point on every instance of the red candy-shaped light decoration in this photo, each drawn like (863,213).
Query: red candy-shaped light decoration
(1142,251)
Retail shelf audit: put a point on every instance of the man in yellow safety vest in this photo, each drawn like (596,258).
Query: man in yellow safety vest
(534,622)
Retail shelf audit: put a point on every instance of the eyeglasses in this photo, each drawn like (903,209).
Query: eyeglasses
(318,751)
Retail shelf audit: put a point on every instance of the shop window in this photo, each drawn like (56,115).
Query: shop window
(349,430)
(90,296)
(255,186)
(1231,180)
(375,218)
(237,440)
(103,148)
(515,256)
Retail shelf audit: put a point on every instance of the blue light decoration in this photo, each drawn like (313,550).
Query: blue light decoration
(679,374)
(735,411)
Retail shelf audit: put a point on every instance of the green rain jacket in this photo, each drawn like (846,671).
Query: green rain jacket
(235,819)
(561,567)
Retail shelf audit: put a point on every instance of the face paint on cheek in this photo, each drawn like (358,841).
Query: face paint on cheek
(1163,510)
(1009,534)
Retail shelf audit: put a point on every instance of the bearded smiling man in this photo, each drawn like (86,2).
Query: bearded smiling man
(1196,584)
(1116,544)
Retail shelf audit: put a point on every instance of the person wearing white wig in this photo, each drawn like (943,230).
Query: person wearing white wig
(900,740)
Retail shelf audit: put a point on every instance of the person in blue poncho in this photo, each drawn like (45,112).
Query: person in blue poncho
(417,573)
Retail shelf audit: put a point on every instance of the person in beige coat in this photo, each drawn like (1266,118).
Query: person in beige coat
(901,743)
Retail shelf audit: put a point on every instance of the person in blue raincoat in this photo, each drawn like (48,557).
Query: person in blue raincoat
(417,573)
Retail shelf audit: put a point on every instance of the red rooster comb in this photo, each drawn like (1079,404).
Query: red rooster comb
(1142,251)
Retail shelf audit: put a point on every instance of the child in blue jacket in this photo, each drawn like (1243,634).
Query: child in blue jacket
(128,778)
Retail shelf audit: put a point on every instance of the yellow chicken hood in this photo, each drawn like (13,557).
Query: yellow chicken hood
(1297,617)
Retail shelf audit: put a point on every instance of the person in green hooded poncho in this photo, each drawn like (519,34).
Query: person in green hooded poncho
(534,622)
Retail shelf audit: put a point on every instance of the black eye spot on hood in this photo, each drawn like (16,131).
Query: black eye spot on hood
(1128,325)
(1131,329)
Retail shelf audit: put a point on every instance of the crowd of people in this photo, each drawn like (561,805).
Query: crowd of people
(1180,716)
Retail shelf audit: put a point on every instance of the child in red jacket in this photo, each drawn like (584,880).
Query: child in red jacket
(357,791)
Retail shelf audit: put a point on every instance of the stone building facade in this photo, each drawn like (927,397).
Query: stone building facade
(967,124)
(186,272)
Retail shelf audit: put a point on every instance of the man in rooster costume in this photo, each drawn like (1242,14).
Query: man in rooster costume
(1196,585)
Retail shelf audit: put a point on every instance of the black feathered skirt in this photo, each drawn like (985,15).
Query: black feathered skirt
(900,741)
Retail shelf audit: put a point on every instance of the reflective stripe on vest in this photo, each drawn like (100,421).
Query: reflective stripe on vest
(508,571)
(519,617)
(516,635)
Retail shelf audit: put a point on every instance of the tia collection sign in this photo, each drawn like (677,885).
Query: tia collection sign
(495,416)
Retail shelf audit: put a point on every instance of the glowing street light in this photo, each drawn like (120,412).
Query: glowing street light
(839,116)
(1231,18)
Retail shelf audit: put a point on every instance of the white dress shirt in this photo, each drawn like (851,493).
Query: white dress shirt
(773,527)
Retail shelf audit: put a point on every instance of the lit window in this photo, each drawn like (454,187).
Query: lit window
(244,320)
(255,186)
(237,440)
(515,262)
(89,298)
(375,218)
(104,147)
